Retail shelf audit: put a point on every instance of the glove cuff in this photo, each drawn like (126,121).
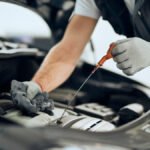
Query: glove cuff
(38,85)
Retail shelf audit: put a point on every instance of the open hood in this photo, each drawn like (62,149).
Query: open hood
(48,9)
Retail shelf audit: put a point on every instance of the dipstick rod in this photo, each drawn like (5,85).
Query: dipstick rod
(76,93)
(99,64)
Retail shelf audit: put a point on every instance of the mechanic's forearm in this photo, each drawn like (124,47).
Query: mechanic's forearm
(62,59)
(56,68)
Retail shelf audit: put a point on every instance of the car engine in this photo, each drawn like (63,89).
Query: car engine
(106,103)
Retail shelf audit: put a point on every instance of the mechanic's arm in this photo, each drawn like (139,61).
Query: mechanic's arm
(62,58)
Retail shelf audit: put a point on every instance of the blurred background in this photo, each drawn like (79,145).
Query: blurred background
(21,24)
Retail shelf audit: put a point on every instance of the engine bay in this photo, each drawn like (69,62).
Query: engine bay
(105,111)
(107,102)
(107,108)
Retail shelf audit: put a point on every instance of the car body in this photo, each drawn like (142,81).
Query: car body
(101,101)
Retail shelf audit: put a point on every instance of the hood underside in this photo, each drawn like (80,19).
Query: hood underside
(47,9)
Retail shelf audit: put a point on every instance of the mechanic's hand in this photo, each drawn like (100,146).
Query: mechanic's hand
(29,97)
(132,55)
(32,89)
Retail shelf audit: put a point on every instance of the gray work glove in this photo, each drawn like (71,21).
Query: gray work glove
(132,55)
(32,89)
(29,98)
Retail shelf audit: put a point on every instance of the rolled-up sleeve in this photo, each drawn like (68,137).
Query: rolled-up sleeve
(87,8)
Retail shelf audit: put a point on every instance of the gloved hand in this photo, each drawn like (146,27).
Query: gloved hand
(132,55)
(29,97)
(32,89)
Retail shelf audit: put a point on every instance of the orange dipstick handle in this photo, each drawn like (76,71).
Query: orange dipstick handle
(105,58)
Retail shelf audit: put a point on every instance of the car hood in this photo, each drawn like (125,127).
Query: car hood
(42,7)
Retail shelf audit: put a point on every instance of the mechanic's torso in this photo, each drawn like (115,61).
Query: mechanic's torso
(117,13)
